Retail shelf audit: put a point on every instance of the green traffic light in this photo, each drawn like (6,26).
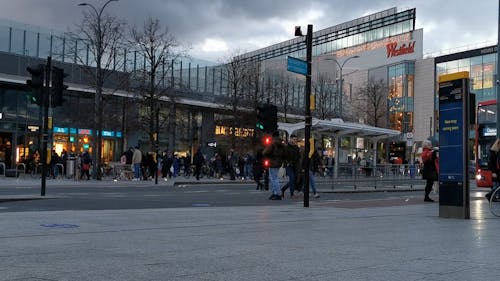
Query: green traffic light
(259,126)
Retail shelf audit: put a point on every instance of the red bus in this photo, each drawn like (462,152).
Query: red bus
(486,132)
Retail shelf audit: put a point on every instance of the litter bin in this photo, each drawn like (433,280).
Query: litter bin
(70,167)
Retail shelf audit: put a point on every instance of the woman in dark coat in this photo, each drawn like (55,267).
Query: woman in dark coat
(431,168)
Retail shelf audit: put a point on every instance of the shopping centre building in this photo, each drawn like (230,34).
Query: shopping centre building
(383,49)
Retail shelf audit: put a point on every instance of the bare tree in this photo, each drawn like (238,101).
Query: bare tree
(158,47)
(371,103)
(237,74)
(323,95)
(98,41)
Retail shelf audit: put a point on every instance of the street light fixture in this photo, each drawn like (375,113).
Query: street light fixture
(97,131)
(340,90)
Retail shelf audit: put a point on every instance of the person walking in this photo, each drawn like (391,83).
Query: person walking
(431,168)
(494,166)
(136,162)
(258,169)
(292,165)
(86,163)
(198,161)
(313,170)
(276,154)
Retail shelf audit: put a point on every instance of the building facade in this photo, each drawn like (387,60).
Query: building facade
(383,47)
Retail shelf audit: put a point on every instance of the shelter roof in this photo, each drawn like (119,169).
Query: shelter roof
(339,127)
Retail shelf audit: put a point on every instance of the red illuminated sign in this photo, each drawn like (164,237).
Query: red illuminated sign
(393,50)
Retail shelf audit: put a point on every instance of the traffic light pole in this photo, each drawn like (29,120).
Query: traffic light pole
(308,117)
(45,135)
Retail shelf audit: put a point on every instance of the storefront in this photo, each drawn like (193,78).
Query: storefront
(76,140)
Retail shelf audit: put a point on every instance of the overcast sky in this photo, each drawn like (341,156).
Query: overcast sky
(216,29)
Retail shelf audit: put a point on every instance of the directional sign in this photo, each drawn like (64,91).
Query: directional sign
(212,144)
(297,65)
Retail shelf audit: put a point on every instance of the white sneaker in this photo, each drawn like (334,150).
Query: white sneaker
(316,195)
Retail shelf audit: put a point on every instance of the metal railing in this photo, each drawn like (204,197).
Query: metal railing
(366,176)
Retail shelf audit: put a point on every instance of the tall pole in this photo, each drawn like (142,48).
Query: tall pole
(498,72)
(308,117)
(45,123)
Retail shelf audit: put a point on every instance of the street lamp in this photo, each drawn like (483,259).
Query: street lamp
(340,90)
(97,131)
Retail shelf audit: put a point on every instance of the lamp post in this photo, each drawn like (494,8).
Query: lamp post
(97,131)
(340,90)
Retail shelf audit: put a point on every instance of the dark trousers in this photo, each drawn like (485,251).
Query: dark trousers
(197,171)
(428,187)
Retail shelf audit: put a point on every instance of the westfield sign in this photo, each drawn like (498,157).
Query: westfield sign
(393,50)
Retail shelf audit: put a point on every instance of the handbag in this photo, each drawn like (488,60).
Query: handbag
(86,166)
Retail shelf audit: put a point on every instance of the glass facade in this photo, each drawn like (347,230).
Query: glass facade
(482,71)
(400,96)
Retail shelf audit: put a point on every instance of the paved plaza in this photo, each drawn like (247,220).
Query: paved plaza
(397,240)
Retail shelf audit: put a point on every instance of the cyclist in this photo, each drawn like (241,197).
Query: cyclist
(494,166)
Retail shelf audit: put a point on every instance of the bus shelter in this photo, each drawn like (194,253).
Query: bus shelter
(337,128)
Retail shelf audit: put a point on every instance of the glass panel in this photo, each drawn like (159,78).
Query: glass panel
(488,71)
(57,47)
(17,41)
(476,60)
(489,58)
(4,38)
(31,42)
(44,50)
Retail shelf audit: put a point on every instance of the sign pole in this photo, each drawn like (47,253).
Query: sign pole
(308,117)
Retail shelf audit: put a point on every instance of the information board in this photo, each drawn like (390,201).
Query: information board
(453,145)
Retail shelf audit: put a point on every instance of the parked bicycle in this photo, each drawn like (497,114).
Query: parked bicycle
(495,202)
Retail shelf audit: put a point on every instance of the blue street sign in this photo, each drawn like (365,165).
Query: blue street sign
(296,65)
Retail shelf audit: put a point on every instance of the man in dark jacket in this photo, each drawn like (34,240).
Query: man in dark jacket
(292,165)
(276,154)
(198,161)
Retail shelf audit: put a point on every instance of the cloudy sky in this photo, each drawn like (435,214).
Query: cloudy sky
(216,29)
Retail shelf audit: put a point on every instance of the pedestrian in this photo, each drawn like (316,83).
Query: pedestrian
(198,161)
(431,168)
(136,162)
(54,160)
(232,162)
(276,154)
(248,165)
(314,165)
(494,166)
(258,169)
(292,165)
(128,154)
(86,164)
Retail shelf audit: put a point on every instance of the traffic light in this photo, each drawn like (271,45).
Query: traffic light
(58,86)
(36,83)
(266,163)
(267,118)
(267,140)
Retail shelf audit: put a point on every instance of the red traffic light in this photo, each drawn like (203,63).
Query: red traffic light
(266,163)
(267,140)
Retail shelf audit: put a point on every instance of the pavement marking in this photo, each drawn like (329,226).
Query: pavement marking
(60,225)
